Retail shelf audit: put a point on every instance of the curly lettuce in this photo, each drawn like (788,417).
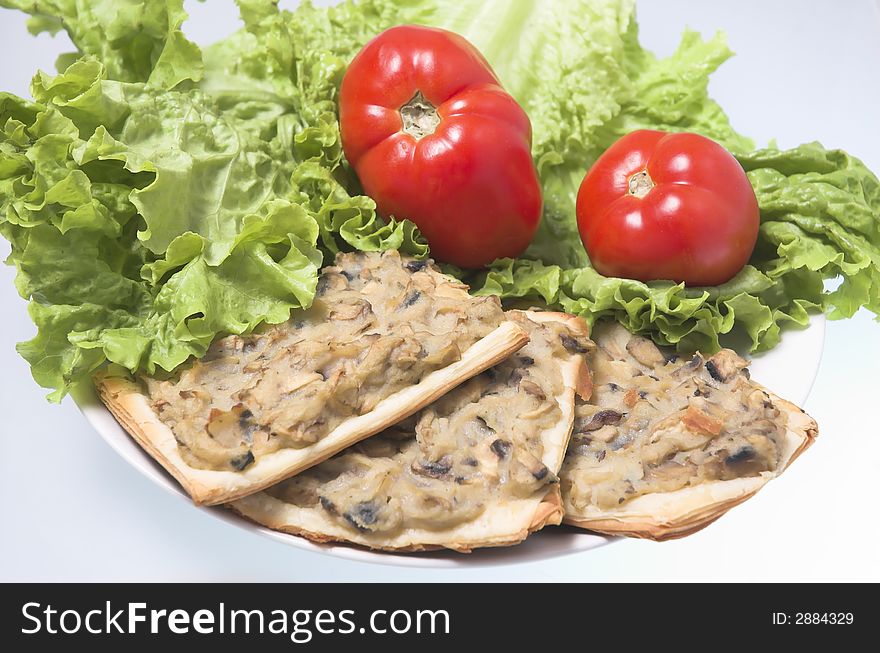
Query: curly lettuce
(588,82)
(136,40)
(158,195)
(820,219)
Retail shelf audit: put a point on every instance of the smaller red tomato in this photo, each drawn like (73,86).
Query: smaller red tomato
(668,206)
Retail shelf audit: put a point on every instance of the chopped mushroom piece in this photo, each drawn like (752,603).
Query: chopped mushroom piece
(725,365)
(597,420)
(436,469)
(645,351)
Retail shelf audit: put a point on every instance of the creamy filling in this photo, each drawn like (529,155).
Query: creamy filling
(480,445)
(379,323)
(660,423)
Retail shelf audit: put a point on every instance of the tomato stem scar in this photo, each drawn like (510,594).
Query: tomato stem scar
(420,117)
(640,184)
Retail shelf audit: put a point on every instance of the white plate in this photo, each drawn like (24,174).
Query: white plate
(788,370)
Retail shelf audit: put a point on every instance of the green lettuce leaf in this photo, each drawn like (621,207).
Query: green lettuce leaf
(820,211)
(98,292)
(147,216)
(585,84)
(136,40)
(820,219)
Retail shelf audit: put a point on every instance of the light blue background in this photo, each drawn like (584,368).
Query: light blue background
(73,510)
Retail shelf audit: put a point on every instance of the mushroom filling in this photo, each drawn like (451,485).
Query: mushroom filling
(379,324)
(482,444)
(659,424)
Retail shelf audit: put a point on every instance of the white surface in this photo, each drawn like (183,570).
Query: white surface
(73,509)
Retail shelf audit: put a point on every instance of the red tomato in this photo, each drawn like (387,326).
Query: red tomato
(668,206)
(434,138)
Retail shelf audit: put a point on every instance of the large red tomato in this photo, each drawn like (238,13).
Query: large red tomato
(434,138)
(668,206)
